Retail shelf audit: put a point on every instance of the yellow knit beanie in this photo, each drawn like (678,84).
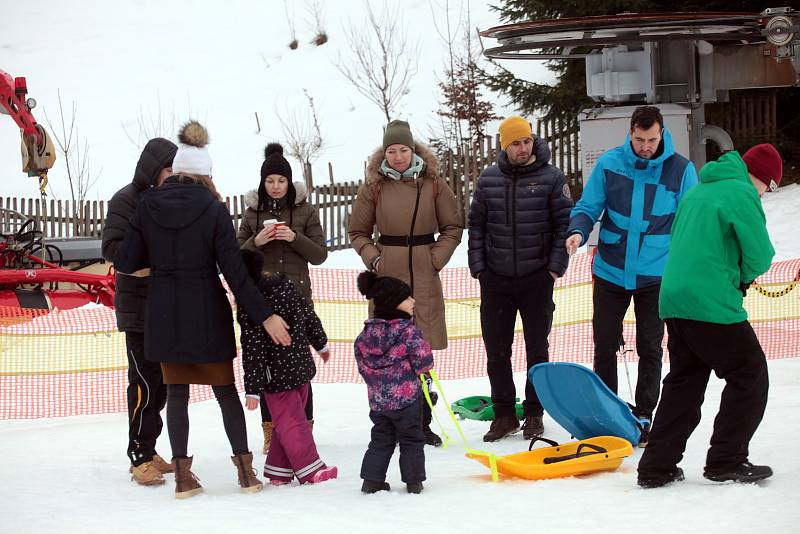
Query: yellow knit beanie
(513,128)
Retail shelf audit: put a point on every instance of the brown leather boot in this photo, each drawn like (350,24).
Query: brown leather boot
(532,427)
(146,474)
(186,483)
(502,427)
(247,475)
(267,426)
(162,465)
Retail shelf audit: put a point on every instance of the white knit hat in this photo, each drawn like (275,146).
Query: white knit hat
(192,156)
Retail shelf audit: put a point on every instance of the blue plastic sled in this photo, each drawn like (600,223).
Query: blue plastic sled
(581,403)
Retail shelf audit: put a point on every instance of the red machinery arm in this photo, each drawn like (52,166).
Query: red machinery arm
(13,101)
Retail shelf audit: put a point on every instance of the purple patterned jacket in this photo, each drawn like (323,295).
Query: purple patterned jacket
(390,356)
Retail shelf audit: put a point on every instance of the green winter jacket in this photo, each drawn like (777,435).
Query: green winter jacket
(719,241)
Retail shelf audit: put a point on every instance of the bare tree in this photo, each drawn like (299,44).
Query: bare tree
(75,153)
(450,134)
(293,44)
(303,134)
(315,10)
(382,60)
(150,123)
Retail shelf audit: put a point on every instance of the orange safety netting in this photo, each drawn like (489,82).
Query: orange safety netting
(73,362)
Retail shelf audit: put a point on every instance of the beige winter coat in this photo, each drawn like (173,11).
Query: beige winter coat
(279,256)
(393,212)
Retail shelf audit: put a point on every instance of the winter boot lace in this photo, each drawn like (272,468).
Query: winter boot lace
(146,474)
(267,426)
(247,475)
(532,427)
(186,484)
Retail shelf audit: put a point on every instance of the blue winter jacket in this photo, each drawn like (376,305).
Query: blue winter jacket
(640,198)
(519,216)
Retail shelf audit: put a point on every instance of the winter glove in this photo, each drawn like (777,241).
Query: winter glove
(429,384)
(743,287)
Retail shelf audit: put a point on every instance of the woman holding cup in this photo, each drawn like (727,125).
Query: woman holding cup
(280,223)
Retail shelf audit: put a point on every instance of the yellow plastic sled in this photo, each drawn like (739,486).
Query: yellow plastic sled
(602,453)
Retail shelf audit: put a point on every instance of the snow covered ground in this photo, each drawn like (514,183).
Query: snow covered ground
(70,475)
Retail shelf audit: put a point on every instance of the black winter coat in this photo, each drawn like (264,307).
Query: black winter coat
(131,291)
(519,217)
(182,233)
(275,368)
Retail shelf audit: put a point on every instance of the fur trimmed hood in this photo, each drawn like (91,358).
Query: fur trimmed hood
(251,197)
(374,174)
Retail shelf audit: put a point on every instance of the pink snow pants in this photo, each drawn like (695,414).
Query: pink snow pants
(293,452)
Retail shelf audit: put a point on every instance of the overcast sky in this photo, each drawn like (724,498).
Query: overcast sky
(221,63)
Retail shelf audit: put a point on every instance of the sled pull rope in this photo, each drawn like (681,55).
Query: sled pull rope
(469,450)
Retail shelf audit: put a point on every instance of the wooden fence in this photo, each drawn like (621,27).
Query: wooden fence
(460,168)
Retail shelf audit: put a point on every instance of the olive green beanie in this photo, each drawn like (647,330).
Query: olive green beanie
(398,132)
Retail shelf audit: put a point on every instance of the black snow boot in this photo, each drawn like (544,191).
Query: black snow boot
(431,438)
(371,486)
(657,480)
(414,487)
(744,472)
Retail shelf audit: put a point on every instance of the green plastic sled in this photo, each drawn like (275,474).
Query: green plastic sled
(480,408)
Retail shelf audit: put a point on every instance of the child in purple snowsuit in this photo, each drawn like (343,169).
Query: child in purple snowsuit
(391,354)
(282,376)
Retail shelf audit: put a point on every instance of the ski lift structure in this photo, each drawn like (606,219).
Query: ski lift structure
(677,61)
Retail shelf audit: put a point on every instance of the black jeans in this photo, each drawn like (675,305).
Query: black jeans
(610,304)
(178,418)
(695,349)
(147,396)
(501,298)
(266,416)
(390,428)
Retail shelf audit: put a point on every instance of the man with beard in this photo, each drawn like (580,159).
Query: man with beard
(518,221)
(638,185)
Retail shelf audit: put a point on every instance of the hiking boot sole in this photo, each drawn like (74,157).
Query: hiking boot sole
(730,477)
(517,431)
(188,493)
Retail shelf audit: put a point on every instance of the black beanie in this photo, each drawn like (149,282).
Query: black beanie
(254,262)
(275,163)
(385,291)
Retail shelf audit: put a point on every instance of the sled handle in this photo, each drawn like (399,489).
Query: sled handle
(578,453)
(539,438)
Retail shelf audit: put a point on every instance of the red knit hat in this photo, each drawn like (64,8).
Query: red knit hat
(764,162)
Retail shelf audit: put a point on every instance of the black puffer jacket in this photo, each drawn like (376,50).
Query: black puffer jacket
(275,368)
(182,234)
(131,291)
(519,216)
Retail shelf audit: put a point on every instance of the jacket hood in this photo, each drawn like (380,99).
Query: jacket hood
(640,163)
(374,174)
(251,197)
(382,336)
(175,205)
(540,150)
(157,154)
(728,166)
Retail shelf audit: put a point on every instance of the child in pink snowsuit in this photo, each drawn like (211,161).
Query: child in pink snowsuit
(282,375)
(391,354)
